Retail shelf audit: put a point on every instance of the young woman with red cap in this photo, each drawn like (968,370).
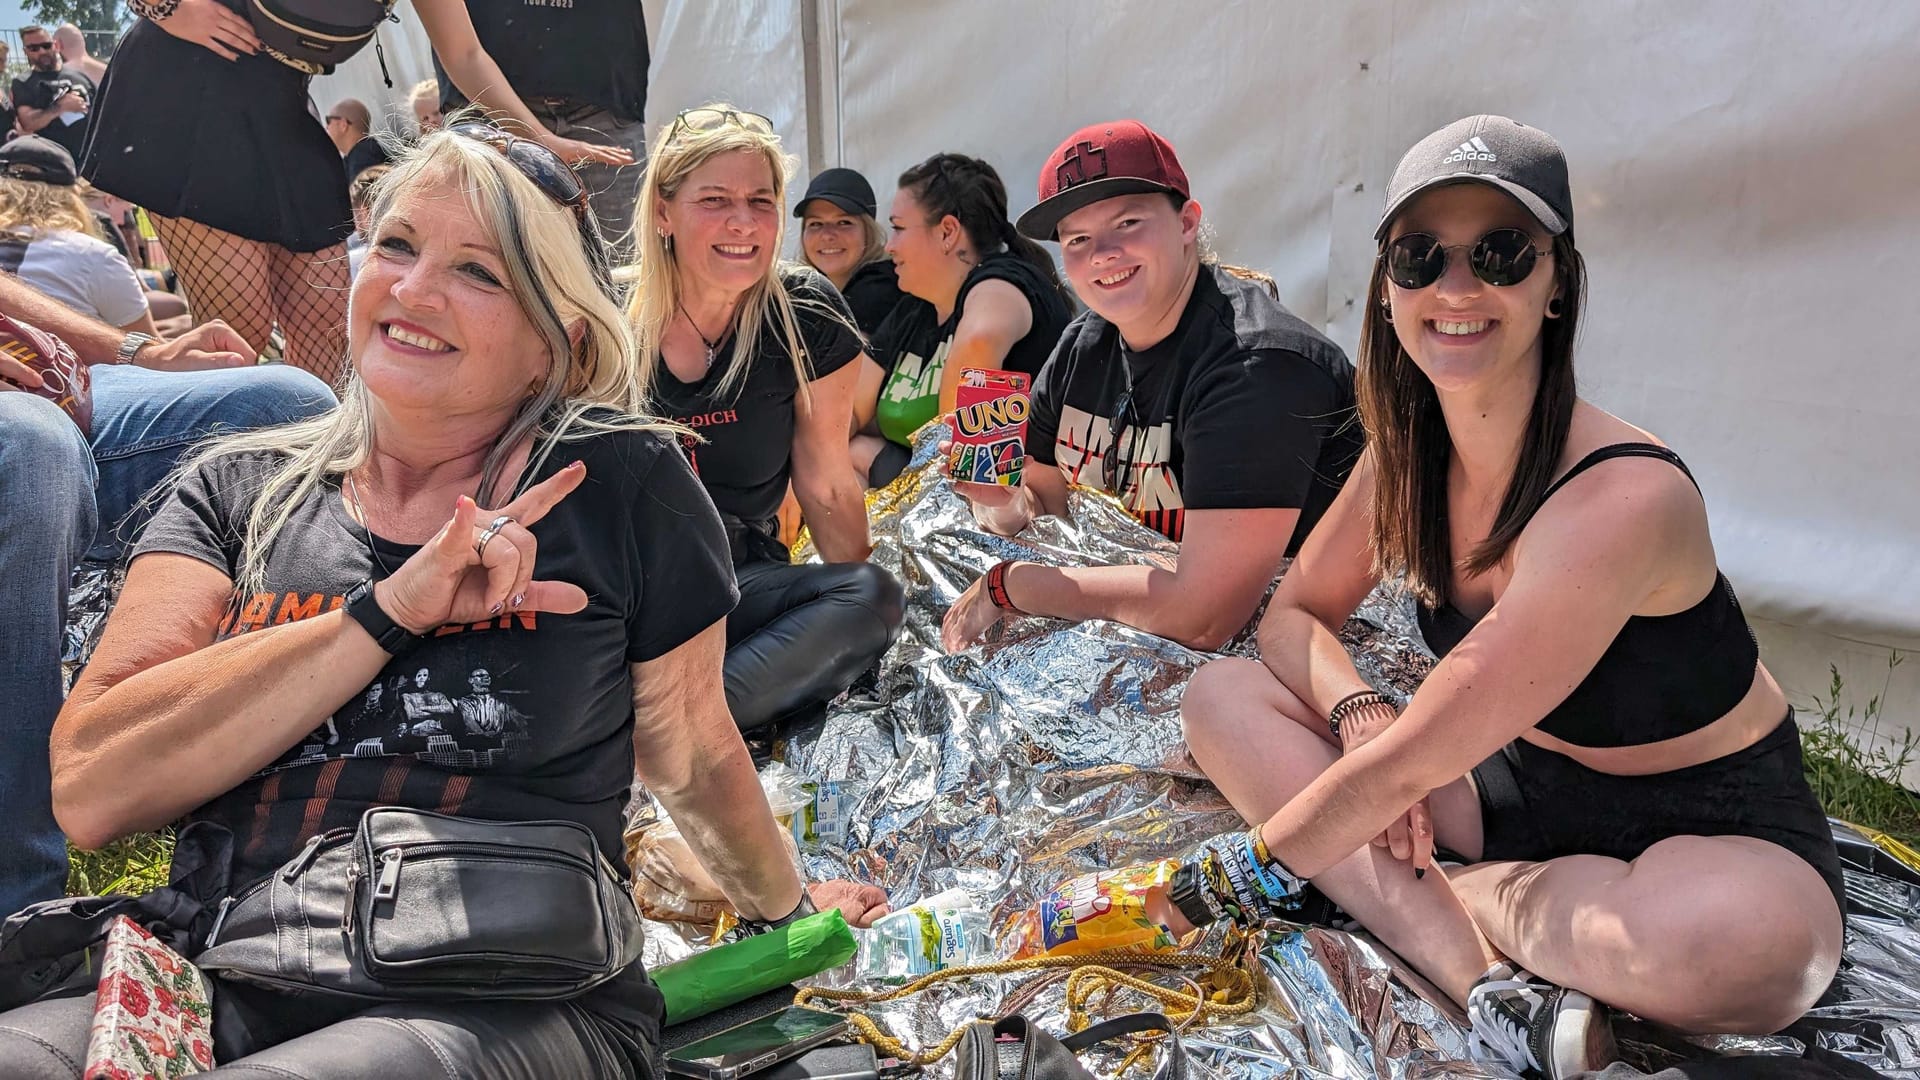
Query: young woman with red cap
(983,297)
(1598,742)
(1187,390)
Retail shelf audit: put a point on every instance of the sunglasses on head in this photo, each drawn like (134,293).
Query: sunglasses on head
(1502,257)
(556,180)
(715,119)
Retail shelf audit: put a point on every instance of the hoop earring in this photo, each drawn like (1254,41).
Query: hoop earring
(1555,308)
(1386,310)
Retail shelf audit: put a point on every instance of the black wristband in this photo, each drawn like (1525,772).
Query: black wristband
(800,911)
(1351,704)
(362,607)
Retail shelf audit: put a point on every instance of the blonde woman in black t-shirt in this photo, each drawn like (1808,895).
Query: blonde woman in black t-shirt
(532,658)
(1187,391)
(758,359)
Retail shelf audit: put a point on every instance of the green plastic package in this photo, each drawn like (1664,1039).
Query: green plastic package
(730,974)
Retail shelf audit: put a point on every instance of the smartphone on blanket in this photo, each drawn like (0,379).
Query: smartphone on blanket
(153,1015)
(757,1045)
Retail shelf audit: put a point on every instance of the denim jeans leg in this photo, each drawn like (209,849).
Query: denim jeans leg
(47,519)
(144,420)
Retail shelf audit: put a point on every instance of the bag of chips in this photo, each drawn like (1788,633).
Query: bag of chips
(1092,912)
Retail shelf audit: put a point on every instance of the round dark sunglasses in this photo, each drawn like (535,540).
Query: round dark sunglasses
(1502,257)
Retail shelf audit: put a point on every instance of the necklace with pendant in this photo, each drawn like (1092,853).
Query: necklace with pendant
(712,345)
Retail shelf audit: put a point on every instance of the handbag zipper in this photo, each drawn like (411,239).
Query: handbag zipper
(389,882)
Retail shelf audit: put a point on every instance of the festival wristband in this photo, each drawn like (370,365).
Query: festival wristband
(1249,884)
(997,586)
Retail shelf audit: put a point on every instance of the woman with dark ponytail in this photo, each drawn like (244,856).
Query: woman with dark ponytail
(980,295)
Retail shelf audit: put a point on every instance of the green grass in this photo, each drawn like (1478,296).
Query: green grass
(133,865)
(1860,785)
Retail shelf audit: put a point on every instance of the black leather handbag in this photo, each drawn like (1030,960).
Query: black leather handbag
(417,905)
(321,33)
(1013,1049)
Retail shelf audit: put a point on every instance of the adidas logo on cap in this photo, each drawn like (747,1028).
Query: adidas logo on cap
(1471,150)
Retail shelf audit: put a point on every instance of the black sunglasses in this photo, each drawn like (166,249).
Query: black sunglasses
(557,181)
(1502,257)
(38,46)
(714,119)
(537,163)
(1123,420)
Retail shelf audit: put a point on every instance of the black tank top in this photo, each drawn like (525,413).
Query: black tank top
(1663,675)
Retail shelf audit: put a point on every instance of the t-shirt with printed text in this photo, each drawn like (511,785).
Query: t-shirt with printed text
(1243,406)
(522,717)
(746,452)
(911,345)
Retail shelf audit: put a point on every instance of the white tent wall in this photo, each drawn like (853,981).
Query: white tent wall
(1745,197)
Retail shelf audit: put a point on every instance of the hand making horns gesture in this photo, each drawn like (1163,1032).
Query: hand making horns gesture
(470,571)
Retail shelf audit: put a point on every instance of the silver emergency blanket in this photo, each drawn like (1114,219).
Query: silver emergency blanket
(1050,750)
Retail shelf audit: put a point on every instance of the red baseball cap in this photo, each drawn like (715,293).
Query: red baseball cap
(1101,161)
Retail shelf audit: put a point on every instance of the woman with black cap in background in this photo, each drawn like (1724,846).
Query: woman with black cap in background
(841,237)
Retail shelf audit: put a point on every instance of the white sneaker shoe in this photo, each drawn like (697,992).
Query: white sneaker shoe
(1535,1028)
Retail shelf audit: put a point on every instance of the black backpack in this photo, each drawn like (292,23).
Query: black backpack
(317,33)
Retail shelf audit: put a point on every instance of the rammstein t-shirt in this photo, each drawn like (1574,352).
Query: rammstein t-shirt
(522,717)
(1243,406)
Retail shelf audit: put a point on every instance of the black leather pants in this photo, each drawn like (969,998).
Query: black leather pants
(511,1040)
(802,634)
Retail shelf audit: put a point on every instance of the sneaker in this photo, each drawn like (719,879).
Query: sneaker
(1535,1028)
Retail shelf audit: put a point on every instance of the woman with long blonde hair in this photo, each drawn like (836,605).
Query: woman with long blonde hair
(758,359)
(50,239)
(569,635)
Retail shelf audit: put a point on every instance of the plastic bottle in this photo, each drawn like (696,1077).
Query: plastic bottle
(942,931)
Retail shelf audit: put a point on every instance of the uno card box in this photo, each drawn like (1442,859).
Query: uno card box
(990,427)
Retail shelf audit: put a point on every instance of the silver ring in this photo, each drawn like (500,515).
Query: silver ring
(492,530)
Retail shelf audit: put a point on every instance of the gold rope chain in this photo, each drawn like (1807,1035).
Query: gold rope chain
(1225,989)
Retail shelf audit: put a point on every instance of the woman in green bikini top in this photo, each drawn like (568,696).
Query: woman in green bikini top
(980,295)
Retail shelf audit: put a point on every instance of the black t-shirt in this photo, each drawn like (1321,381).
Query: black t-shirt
(593,52)
(1243,406)
(523,717)
(912,343)
(747,454)
(365,155)
(40,89)
(872,293)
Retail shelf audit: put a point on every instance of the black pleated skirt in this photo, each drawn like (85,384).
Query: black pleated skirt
(230,144)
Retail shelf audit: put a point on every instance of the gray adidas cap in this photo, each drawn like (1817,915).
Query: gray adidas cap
(1522,161)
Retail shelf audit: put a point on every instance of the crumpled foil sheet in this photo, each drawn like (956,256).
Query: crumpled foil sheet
(94,588)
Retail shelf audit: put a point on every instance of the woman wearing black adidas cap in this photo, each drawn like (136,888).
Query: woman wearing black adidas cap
(841,238)
(1598,741)
(1187,391)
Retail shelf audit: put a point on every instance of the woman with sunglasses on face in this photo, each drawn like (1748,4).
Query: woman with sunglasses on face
(1187,391)
(1598,742)
(983,297)
(563,639)
(841,238)
(758,358)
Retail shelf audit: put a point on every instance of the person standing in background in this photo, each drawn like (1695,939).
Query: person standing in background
(350,126)
(72,45)
(582,69)
(54,100)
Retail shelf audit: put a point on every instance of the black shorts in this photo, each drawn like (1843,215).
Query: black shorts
(1536,804)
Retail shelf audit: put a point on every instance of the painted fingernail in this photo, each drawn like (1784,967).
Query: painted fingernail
(495,609)
(519,599)
(1420,873)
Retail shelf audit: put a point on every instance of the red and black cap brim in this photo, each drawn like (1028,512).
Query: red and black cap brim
(1042,222)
